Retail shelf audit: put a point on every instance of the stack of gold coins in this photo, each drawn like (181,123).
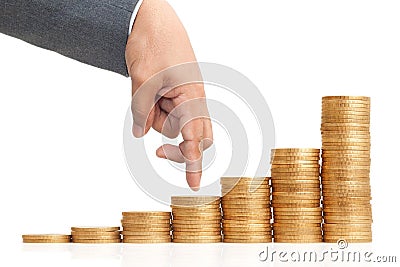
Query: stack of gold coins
(96,235)
(246,210)
(146,226)
(345,168)
(296,195)
(196,219)
(46,238)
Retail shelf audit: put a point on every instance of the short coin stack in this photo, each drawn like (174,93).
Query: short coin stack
(196,219)
(146,226)
(96,235)
(345,168)
(246,210)
(296,195)
(46,238)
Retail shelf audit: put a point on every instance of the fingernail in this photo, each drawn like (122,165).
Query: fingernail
(195,189)
(137,130)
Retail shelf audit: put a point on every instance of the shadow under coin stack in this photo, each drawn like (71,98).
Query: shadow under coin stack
(95,235)
(345,169)
(146,227)
(246,210)
(196,219)
(296,195)
(46,238)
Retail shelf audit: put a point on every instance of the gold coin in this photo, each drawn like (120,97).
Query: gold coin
(243,180)
(344,129)
(197,241)
(194,200)
(256,199)
(229,240)
(297,213)
(96,241)
(95,229)
(345,154)
(344,113)
(194,210)
(250,221)
(145,241)
(298,230)
(286,216)
(294,174)
(278,163)
(256,208)
(98,236)
(46,236)
(326,117)
(145,233)
(241,194)
(198,212)
(195,222)
(346,228)
(291,190)
(152,229)
(343,194)
(146,225)
(294,200)
(287,205)
(347,162)
(351,173)
(298,209)
(196,233)
(297,224)
(27,240)
(295,150)
(294,177)
(303,193)
(312,157)
(252,229)
(349,233)
(295,182)
(343,178)
(199,237)
(247,239)
(349,98)
(297,241)
(350,209)
(250,186)
(146,214)
(244,216)
(126,222)
(195,217)
(295,220)
(91,237)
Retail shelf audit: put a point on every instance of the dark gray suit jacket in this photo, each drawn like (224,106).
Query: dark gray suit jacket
(91,31)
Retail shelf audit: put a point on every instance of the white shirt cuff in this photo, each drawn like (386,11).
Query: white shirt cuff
(134,14)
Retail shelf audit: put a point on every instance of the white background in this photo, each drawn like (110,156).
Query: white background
(61,157)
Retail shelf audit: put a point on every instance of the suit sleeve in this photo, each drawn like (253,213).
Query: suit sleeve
(94,32)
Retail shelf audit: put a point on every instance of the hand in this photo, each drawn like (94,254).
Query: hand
(159,41)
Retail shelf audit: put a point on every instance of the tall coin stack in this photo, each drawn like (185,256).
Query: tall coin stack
(196,219)
(95,235)
(296,195)
(345,168)
(246,210)
(146,226)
